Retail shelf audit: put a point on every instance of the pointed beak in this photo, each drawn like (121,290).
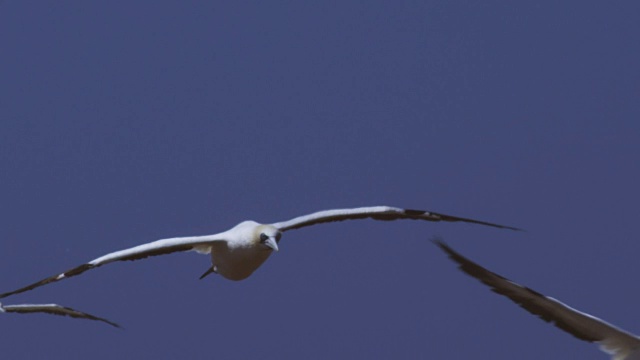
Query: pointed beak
(271,242)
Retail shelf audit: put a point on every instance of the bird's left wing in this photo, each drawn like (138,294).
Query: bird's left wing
(376,213)
(54,309)
(155,248)
(585,327)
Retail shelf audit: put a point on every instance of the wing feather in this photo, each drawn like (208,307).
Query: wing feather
(385,213)
(581,325)
(55,310)
(155,248)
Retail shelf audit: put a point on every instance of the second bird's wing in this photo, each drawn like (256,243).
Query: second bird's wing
(585,327)
(54,309)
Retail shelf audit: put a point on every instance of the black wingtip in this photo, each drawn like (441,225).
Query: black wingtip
(115,325)
(96,318)
(495,225)
(30,287)
(93,317)
(464,264)
(444,217)
(515,228)
(55,278)
(4,295)
(439,241)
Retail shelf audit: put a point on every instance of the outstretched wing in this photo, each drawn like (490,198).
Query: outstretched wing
(376,213)
(585,327)
(155,248)
(52,309)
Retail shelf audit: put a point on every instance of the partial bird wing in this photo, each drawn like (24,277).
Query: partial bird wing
(155,248)
(52,309)
(376,213)
(613,340)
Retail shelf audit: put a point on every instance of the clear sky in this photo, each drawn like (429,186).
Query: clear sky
(122,122)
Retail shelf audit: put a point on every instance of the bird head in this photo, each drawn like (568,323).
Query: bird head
(269,237)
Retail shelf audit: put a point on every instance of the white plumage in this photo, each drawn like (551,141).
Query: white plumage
(239,251)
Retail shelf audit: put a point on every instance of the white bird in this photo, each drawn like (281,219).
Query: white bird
(51,309)
(620,344)
(239,251)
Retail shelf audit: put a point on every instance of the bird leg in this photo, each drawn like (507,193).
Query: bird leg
(210,270)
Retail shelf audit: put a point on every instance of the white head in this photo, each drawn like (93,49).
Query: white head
(268,237)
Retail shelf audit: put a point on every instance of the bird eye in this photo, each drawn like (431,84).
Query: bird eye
(263,237)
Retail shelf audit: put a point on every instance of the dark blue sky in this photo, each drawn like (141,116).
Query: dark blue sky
(125,122)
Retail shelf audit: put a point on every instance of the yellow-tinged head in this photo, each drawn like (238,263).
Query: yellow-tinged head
(268,236)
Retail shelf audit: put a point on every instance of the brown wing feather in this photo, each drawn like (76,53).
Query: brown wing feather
(582,326)
(55,309)
(388,214)
(84,267)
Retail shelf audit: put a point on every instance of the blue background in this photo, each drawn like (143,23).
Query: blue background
(122,122)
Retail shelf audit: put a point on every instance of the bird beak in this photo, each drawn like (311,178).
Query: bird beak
(271,242)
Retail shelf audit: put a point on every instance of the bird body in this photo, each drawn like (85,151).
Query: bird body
(239,251)
(242,253)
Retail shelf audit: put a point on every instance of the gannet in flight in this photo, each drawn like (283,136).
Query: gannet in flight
(51,309)
(239,251)
(620,344)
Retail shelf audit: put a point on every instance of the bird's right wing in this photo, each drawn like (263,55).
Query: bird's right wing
(52,309)
(613,340)
(155,248)
(385,213)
